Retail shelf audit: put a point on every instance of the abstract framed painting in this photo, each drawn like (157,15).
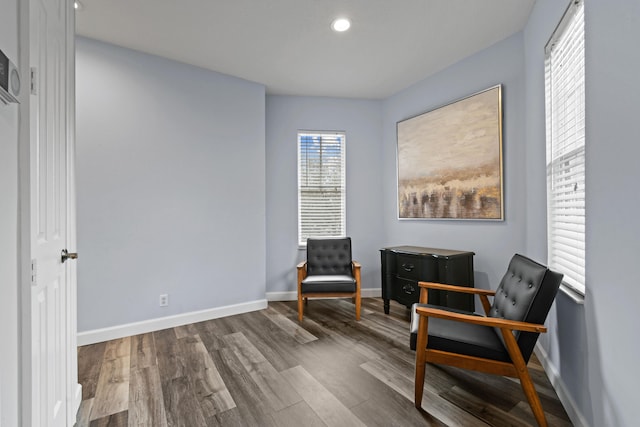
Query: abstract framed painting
(450,160)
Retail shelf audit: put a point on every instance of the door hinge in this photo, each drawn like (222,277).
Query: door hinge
(34,272)
(34,80)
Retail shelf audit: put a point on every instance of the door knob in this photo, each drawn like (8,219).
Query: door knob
(66,255)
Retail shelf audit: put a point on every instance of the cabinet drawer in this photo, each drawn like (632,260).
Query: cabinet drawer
(409,267)
(406,291)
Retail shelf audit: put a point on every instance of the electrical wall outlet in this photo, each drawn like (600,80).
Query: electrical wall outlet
(164,300)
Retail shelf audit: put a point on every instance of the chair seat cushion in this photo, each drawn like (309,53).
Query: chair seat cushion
(328,283)
(459,337)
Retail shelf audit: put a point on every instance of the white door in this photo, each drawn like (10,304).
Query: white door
(51,135)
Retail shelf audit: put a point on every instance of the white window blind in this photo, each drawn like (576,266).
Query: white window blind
(321,185)
(565,116)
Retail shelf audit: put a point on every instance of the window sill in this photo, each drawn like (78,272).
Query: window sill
(575,296)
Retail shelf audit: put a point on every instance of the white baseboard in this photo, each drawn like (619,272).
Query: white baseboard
(293,295)
(120,331)
(569,404)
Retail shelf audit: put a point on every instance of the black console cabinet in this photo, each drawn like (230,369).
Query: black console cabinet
(404,266)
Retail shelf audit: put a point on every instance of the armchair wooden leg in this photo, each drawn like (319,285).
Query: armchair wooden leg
(533,398)
(525,378)
(300,308)
(421,360)
(358,301)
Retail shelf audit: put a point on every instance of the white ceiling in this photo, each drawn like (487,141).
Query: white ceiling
(288,45)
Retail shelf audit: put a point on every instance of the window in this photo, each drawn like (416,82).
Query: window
(321,185)
(565,116)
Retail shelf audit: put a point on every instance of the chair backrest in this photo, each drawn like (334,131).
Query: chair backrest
(526,293)
(329,256)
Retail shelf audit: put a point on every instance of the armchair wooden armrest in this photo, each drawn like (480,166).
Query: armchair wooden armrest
(482,293)
(455,288)
(302,273)
(355,270)
(479,320)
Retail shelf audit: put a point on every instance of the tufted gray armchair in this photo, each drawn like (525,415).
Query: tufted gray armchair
(499,343)
(328,271)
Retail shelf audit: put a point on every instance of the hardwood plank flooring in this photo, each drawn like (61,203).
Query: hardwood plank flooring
(324,403)
(209,386)
(266,369)
(112,390)
(143,351)
(89,363)
(119,419)
(146,404)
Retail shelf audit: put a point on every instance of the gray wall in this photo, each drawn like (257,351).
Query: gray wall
(170,182)
(613,201)
(361,120)
(9,301)
(494,242)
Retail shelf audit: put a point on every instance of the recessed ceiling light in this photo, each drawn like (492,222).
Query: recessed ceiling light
(340,24)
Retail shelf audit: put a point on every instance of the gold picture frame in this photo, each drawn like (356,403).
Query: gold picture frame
(450,160)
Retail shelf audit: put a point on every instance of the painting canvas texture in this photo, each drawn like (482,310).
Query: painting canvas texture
(450,160)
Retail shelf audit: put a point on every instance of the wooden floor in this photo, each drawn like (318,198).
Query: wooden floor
(266,369)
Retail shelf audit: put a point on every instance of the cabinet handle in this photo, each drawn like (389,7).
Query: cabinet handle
(408,267)
(408,289)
